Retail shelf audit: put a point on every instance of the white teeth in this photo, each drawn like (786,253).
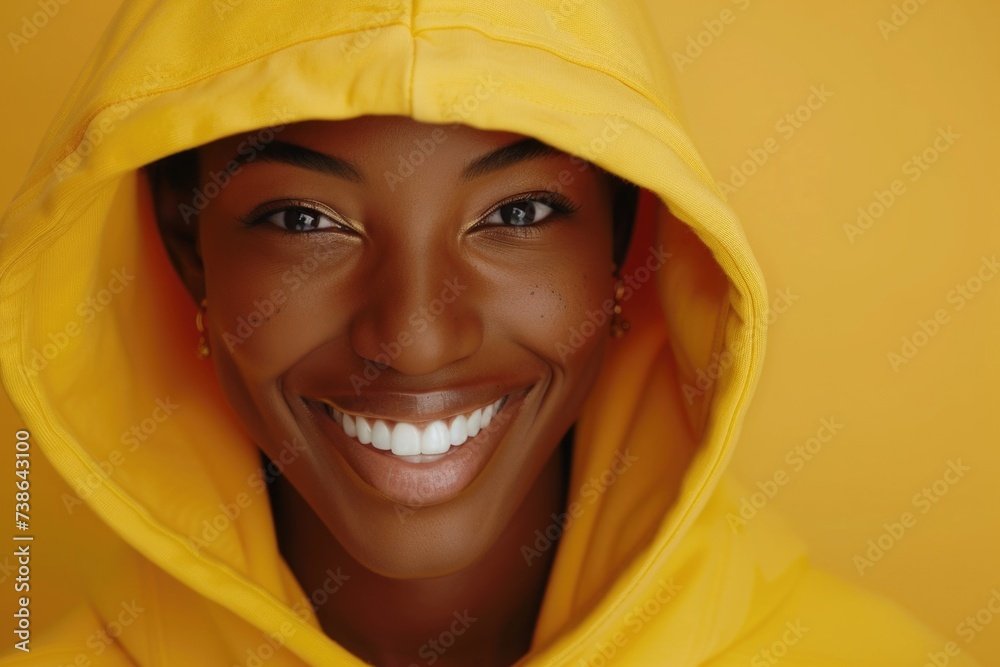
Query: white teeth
(364,430)
(475,423)
(405,439)
(459,430)
(436,439)
(381,437)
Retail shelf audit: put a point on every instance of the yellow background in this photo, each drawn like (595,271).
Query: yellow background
(842,304)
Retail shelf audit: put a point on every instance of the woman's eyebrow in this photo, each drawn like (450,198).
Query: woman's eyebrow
(526,149)
(299,156)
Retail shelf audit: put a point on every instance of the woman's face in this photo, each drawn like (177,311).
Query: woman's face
(375,288)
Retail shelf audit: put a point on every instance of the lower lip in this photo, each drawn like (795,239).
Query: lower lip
(424,480)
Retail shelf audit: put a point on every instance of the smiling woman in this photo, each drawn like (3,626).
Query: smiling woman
(407,426)
(423,281)
(428,282)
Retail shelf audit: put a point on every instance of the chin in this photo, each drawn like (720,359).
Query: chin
(427,543)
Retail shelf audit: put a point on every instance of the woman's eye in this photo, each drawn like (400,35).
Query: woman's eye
(520,213)
(300,219)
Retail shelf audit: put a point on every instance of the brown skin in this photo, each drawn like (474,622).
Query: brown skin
(347,291)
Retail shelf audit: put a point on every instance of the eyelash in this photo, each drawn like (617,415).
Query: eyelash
(260,215)
(560,205)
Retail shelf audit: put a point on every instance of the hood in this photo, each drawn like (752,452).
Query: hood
(96,334)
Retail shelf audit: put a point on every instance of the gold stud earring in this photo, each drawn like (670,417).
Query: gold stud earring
(619,325)
(199,322)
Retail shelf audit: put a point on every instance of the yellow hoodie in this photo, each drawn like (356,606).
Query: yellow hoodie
(152,538)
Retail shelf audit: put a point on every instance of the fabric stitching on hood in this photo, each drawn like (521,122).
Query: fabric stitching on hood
(629,81)
(525,38)
(156,638)
(410,97)
(718,347)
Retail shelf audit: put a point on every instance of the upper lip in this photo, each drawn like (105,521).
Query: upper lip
(417,407)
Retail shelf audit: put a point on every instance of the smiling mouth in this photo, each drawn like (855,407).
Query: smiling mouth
(419,463)
(413,441)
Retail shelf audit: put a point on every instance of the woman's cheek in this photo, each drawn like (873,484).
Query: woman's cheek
(560,316)
(274,299)
(587,296)
(584,330)
(274,326)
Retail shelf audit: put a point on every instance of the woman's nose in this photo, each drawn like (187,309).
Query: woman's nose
(417,318)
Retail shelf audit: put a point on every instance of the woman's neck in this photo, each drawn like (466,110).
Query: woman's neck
(483,615)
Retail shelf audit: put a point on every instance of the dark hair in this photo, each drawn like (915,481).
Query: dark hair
(625,205)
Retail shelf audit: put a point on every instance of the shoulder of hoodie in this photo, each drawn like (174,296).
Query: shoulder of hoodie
(827,622)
